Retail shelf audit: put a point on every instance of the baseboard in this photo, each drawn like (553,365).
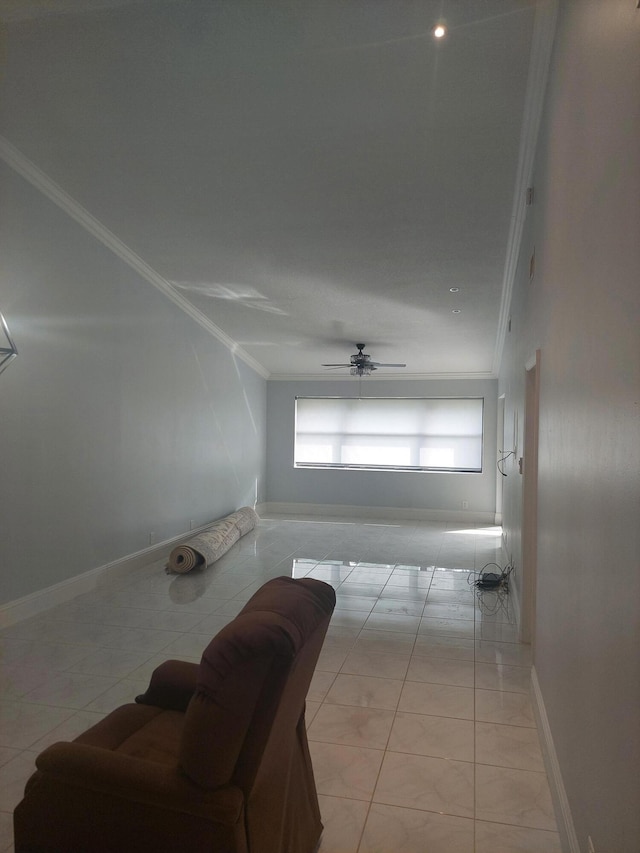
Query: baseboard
(343,511)
(44,599)
(561,807)
(514,590)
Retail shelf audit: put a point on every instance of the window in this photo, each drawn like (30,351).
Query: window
(389,433)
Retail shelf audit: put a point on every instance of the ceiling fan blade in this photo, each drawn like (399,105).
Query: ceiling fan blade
(336,365)
(382,364)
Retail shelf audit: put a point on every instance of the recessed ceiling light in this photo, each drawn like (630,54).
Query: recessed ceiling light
(439,31)
(454,289)
(455,311)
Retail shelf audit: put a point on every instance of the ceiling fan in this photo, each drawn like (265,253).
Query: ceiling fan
(361,364)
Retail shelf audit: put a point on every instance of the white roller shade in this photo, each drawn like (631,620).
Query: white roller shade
(419,434)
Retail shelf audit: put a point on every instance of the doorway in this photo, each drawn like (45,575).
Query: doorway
(529,468)
(499,455)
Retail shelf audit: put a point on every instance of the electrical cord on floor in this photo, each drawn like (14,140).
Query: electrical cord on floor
(495,582)
(484,579)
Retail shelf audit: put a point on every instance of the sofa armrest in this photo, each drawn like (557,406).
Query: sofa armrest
(172,685)
(132,779)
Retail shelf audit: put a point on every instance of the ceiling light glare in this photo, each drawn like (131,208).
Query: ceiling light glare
(455,311)
(439,31)
(454,289)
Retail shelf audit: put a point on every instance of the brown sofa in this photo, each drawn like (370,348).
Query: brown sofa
(211,758)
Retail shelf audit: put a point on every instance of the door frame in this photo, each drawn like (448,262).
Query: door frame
(529,468)
(499,454)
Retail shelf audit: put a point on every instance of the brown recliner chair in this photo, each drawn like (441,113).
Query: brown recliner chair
(211,758)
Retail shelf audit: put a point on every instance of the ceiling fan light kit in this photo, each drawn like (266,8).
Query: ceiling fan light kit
(361,363)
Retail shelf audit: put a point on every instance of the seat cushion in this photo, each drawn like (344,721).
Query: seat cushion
(158,740)
(141,731)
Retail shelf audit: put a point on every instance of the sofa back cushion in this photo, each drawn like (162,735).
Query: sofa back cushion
(243,674)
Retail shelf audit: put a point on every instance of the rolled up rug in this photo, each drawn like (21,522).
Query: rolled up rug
(184,558)
(213,543)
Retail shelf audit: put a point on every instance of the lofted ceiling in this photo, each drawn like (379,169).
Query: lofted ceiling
(299,175)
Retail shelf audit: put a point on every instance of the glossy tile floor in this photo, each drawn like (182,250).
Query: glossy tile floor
(419,718)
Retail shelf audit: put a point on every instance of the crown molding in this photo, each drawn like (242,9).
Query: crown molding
(544,28)
(403,377)
(49,188)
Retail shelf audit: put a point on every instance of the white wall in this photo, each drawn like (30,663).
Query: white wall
(120,417)
(413,490)
(583,310)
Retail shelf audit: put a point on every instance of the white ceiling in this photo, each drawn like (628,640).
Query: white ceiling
(305,174)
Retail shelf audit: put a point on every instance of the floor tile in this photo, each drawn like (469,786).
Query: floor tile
(122,693)
(211,624)
(145,671)
(365,691)
(70,690)
(331,660)
(499,838)
(311,709)
(55,656)
(516,679)
(343,821)
(420,782)
(443,700)
(345,771)
(499,706)
(354,619)
(6,832)
(70,729)
(404,592)
(386,622)
(362,590)
(399,607)
(352,725)
(320,684)
(438,737)
(444,580)
(234,606)
(354,603)
(441,671)
(508,746)
(18,680)
(13,778)
(520,797)
(496,631)
(464,628)
(361,662)
(371,575)
(7,753)
(22,724)
(449,611)
(385,642)
(512,654)
(333,574)
(191,645)
(390,829)
(116,663)
(452,648)
(142,639)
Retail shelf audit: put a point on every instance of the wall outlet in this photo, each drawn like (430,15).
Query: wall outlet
(152,538)
(192,524)
(465,504)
